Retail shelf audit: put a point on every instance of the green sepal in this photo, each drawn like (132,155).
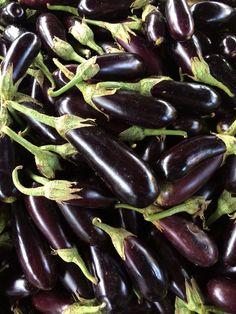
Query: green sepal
(7,88)
(23,98)
(230,143)
(147,10)
(64,150)
(180,307)
(30,13)
(64,8)
(65,51)
(5,240)
(230,131)
(139,4)
(77,308)
(117,235)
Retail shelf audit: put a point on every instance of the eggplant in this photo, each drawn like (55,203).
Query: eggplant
(188,98)
(222,293)
(3,47)
(229,174)
(182,158)
(11,32)
(155,28)
(179,191)
(229,245)
(12,13)
(113,284)
(179,19)
(21,54)
(122,175)
(227,45)
(34,256)
(42,4)
(129,220)
(192,125)
(189,240)
(18,287)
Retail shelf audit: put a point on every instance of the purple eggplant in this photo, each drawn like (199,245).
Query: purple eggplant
(179,19)
(229,245)
(11,32)
(12,13)
(229,174)
(192,125)
(227,45)
(21,54)
(122,175)
(42,4)
(155,28)
(17,287)
(188,97)
(189,240)
(129,220)
(182,158)
(222,292)
(35,259)
(113,284)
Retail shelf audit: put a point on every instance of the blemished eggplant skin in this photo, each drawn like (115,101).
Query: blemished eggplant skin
(33,254)
(129,178)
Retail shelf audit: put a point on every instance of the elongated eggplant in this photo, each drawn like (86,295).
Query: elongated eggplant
(179,19)
(176,271)
(182,158)
(52,302)
(7,163)
(192,125)
(21,54)
(140,47)
(155,28)
(35,259)
(136,109)
(189,240)
(12,13)
(211,14)
(222,293)
(113,284)
(130,179)
(175,193)
(148,275)
(227,45)
(80,220)
(74,281)
(188,97)
(229,174)
(229,245)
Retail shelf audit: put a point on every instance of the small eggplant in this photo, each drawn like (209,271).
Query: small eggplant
(155,27)
(12,13)
(189,240)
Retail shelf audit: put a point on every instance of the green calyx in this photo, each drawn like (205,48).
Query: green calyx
(71,255)
(230,143)
(226,206)
(77,308)
(64,150)
(136,133)
(56,190)
(47,162)
(147,10)
(65,51)
(230,131)
(39,63)
(7,88)
(139,4)
(201,73)
(64,8)
(117,235)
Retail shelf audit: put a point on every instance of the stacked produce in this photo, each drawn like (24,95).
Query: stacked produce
(118,166)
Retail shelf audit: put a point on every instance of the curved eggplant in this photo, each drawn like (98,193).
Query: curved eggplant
(155,28)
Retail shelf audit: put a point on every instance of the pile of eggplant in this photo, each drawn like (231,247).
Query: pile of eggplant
(118,157)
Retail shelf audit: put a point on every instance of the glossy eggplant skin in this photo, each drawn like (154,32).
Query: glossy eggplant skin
(176,271)
(175,193)
(128,177)
(34,257)
(227,45)
(45,215)
(136,109)
(129,220)
(139,46)
(51,302)
(113,284)
(229,174)
(229,245)
(179,19)
(144,268)
(74,281)
(21,54)
(18,287)
(155,28)
(98,9)
(7,164)
(48,27)
(80,220)
(11,32)
(211,14)
(192,125)
(12,13)
(222,293)
(188,98)
(182,158)
(3,47)
(189,240)
(164,306)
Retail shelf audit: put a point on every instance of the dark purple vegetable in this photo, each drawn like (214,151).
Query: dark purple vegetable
(74,281)
(176,271)
(192,125)
(155,28)
(130,179)
(21,54)
(52,302)
(34,257)
(17,287)
(182,158)
(136,109)
(179,19)
(227,45)
(41,4)
(12,13)
(229,245)
(191,98)
(129,220)
(164,306)
(113,286)
(189,240)
(80,221)
(211,14)
(179,191)
(11,32)
(204,42)
(229,174)
(222,292)
(3,47)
